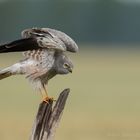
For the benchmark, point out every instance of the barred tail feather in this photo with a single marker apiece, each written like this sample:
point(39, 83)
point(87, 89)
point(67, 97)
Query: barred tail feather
point(5, 73)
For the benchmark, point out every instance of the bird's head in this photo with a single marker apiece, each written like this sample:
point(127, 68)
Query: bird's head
point(63, 64)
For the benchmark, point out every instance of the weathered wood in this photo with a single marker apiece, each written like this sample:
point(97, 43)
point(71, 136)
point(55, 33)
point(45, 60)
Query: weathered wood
point(48, 118)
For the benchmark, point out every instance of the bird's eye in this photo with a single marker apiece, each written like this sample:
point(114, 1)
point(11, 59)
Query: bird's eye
point(66, 65)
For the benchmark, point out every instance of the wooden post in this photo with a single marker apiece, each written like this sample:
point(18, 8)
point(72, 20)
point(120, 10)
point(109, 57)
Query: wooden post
point(48, 118)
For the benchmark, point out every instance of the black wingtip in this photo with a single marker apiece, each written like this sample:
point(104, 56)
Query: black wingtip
point(19, 45)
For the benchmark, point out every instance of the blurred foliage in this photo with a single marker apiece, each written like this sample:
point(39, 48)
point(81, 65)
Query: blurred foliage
point(107, 21)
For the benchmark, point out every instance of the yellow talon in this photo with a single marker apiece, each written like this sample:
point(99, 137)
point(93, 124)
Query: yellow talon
point(48, 99)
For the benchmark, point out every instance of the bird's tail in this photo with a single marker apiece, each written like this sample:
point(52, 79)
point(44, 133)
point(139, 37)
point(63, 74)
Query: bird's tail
point(5, 73)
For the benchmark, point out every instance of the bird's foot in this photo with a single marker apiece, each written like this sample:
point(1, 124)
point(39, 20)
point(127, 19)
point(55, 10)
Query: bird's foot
point(48, 99)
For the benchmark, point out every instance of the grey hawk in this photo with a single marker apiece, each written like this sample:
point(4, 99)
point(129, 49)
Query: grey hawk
point(43, 49)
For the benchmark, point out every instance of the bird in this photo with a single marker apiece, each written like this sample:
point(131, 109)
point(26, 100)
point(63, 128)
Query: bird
point(44, 51)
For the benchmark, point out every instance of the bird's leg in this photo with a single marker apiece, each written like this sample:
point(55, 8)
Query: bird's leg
point(45, 89)
point(47, 98)
point(43, 95)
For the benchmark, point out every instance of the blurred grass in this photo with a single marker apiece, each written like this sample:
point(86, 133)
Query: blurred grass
point(104, 102)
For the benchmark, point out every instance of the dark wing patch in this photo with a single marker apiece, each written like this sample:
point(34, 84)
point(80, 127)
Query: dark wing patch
point(33, 44)
point(20, 45)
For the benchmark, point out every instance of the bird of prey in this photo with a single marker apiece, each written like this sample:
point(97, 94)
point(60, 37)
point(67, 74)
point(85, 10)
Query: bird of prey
point(44, 51)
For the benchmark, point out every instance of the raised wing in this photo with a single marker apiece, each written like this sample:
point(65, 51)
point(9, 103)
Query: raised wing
point(32, 43)
point(44, 38)
point(64, 42)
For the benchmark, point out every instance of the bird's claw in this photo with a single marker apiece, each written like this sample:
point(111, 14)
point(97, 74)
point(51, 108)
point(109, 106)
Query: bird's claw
point(48, 99)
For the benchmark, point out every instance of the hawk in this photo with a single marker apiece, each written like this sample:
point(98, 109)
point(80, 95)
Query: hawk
point(44, 52)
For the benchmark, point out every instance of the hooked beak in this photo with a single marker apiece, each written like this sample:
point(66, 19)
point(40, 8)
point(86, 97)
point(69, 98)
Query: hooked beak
point(70, 70)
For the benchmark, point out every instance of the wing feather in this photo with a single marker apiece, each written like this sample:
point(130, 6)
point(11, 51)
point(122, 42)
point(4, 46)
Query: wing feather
point(19, 45)
point(44, 38)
